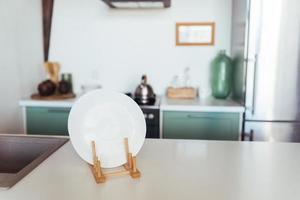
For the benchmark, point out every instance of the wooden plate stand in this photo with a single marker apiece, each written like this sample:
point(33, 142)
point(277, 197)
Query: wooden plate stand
point(130, 167)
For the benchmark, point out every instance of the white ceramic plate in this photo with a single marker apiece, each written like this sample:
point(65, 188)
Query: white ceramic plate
point(107, 118)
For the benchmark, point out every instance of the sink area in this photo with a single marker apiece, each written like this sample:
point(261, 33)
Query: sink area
point(19, 155)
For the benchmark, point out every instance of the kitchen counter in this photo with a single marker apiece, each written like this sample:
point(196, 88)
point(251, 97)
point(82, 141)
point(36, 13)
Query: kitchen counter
point(48, 103)
point(174, 169)
point(46, 113)
point(201, 105)
point(165, 104)
point(65, 103)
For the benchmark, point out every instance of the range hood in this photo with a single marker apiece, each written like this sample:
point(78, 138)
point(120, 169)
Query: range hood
point(138, 3)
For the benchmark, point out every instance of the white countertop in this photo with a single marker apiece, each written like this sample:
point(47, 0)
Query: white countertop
point(201, 105)
point(47, 103)
point(175, 170)
point(206, 105)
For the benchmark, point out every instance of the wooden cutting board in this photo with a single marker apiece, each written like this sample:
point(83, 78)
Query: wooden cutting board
point(53, 97)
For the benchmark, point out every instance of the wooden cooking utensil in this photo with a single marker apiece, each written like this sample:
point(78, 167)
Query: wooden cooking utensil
point(53, 68)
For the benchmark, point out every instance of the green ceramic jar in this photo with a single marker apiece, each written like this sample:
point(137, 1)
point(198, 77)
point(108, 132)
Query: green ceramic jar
point(221, 75)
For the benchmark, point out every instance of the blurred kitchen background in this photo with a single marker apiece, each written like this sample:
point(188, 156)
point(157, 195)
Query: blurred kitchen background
point(113, 48)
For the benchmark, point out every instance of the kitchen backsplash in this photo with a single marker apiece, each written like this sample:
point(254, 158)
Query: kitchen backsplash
point(114, 48)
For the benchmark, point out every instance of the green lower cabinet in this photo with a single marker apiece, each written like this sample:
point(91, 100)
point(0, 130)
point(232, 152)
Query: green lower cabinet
point(199, 125)
point(47, 121)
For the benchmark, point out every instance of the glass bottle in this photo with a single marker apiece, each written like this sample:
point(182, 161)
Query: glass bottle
point(68, 78)
point(221, 75)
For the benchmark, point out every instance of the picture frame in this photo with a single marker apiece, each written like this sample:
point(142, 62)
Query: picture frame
point(195, 34)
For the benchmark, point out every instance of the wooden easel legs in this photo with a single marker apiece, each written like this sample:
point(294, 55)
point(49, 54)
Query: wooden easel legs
point(134, 172)
point(130, 167)
point(96, 168)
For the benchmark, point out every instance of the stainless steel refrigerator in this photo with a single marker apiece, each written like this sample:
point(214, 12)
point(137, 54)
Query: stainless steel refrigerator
point(266, 51)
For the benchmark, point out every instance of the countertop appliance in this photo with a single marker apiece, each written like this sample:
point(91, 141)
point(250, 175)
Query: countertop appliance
point(266, 48)
point(151, 114)
point(144, 94)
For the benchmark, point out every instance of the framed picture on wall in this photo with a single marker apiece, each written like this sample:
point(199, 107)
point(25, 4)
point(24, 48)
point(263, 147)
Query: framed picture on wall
point(195, 34)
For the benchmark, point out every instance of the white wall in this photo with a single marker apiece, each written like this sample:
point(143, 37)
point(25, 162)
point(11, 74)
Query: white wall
point(21, 58)
point(115, 47)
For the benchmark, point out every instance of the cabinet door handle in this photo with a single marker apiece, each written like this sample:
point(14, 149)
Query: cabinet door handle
point(248, 135)
point(57, 111)
point(199, 117)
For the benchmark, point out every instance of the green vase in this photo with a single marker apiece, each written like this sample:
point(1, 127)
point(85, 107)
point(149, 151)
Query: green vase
point(221, 76)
